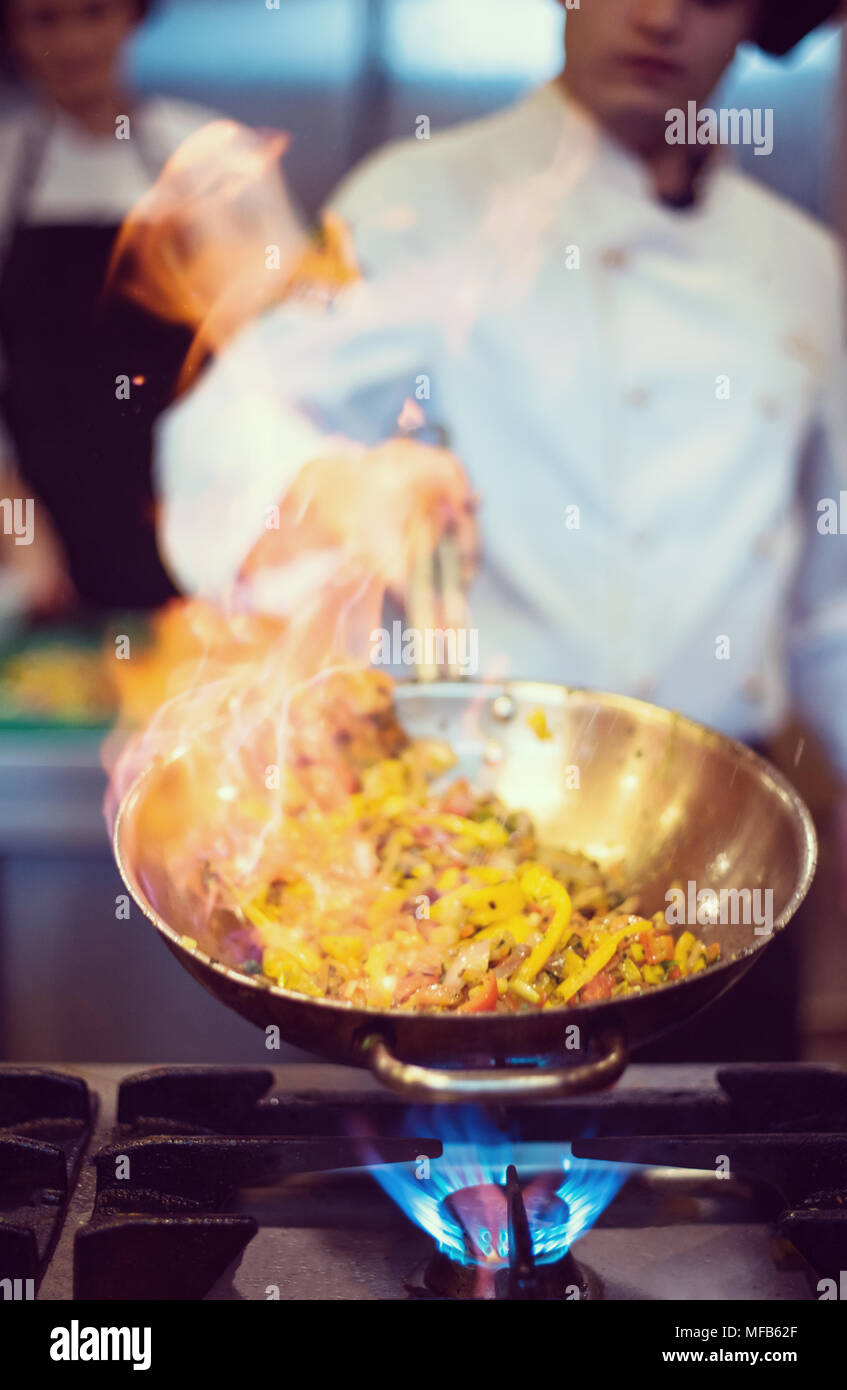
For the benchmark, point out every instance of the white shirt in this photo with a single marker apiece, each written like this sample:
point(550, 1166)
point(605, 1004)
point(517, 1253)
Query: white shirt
point(87, 178)
point(602, 388)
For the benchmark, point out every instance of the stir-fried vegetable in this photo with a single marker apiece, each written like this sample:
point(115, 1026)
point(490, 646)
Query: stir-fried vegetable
point(394, 895)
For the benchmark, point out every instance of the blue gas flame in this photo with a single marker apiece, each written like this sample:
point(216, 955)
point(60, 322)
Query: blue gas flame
point(476, 1153)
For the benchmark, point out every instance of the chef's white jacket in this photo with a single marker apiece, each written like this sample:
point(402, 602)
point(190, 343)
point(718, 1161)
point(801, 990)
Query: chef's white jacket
point(650, 402)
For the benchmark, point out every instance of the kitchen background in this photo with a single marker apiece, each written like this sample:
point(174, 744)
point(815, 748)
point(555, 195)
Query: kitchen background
point(77, 983)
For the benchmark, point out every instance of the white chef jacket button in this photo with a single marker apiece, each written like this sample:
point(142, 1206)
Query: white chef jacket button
point(638, 397)
point(644, 689)
point(753, 689)
point(641, 537)
point(802, 349)
point(769, 406)
point(614, 258)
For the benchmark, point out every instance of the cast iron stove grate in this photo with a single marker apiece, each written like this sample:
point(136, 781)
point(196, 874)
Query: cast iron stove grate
point(187, 1139)
point(796, 1146)
point(187, 1142)
point(45, 1125)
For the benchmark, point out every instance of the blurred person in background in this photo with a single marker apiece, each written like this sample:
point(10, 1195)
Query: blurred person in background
point(670, 389)
point(73, 161)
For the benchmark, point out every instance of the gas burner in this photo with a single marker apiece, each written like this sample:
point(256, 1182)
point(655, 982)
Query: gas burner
point(221, 1183)
point(465, 1200)
point(501, 1226)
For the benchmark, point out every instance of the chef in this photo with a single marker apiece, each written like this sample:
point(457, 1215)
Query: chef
point(637, 353)
point(82, 375)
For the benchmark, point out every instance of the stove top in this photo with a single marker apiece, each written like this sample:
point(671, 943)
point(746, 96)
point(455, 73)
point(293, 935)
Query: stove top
point(245, 1184)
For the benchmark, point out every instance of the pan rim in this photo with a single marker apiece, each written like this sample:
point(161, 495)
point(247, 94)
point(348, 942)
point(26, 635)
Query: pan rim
point(788, 794)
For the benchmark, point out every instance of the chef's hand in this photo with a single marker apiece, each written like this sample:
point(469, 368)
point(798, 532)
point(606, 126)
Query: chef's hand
point(40, 569)
point(379, 506)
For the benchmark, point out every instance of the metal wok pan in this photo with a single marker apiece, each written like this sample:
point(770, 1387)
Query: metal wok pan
point(670, 798)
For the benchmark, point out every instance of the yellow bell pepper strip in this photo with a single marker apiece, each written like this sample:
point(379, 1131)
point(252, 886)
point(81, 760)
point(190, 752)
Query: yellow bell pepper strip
point(526, 992)
point(382, 984)
point(288, 972)
point(492, 904)
point(484, 873)
point(490, 834)
point(573, 961)
point(397, 841)
point(518, 927)
point(597, 961)
point(544, 889)
point(483, 905)
point(487, 834)
point(683, 948)
point(384, 907)
point(695, 955)
point(284, 939)
point(347, 950)
point(632, 975)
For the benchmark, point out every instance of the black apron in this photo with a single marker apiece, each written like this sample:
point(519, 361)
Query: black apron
point(85, 452)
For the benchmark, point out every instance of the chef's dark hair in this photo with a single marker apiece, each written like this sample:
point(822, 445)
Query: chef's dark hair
point(784, 23)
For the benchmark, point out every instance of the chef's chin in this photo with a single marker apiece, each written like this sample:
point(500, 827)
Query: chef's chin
point(630, 97)
point(634, 112)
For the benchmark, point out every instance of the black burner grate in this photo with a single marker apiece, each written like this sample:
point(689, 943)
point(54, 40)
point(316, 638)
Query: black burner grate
point(45, 1125)
point(163, 1224)
point(797, 1147)
point(188, 1140)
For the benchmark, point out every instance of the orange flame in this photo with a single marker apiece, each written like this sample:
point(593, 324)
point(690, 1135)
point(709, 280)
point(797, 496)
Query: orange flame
point(216, 241)
point(351, 530)
point(212, 245)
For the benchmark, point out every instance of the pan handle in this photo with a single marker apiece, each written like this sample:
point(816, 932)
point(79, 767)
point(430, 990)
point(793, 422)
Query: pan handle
point(508, 1083)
